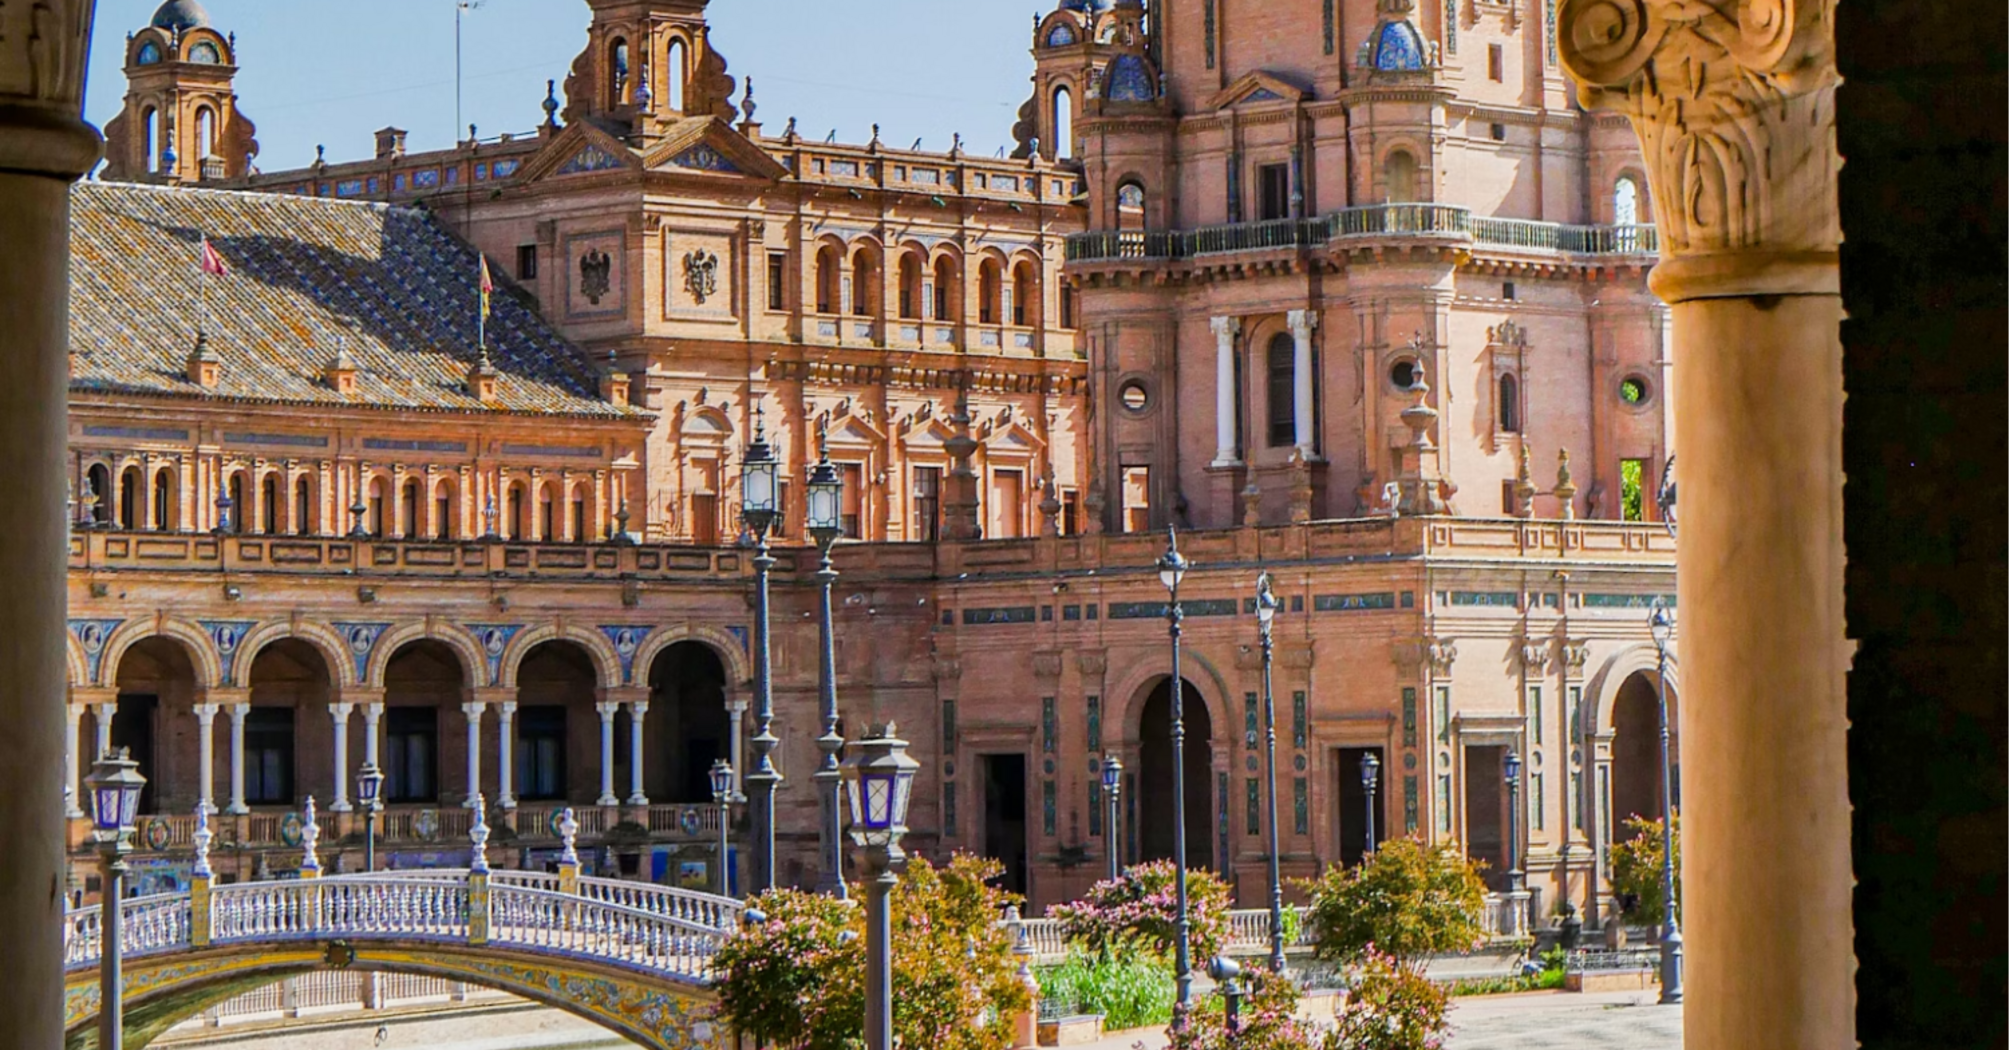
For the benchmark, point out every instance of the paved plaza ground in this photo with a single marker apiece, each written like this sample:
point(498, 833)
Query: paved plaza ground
point(1535, 1021)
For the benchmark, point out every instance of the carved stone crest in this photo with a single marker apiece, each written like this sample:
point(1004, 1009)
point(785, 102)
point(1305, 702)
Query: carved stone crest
point(1535, 655)
point(701, 274)
point(596, 269)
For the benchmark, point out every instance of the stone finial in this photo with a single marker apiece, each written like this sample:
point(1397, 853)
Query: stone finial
point(201, 840)
point(481, 383)
point(551, 105)
point(1252, 505)
point(310, 838)
point(1093, 505)
point(204, 367)
point(1524, 487)
point(1301, 487)
point(568, 837)
point(1419, 481)
point(1566, 489)
point(478, 837)
point(1050, 508)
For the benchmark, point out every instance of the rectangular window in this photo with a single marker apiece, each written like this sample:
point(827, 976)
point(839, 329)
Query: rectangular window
point(1067, 306)
point(1248, 718)
point(1496, 60)
point(1071, 512)
point(540, 752)
point(1574, 805)
point(1444, 803)
point(1280, 370)
point(852, 515)
point(1252, 810)
point(780, 529)
point(1507, 497)
point(1298, 717)
point(927, 526)
point(1535, 790)
point(778, 280)
point(1095, 807)
point(1095, 706)
point(1409, 716)
point(1007, 502)
point(411, 745)
point(1137, 499)
point(1049, 804)
point(1444, 712)
point(1301, 808)
point(1633, 489)
point(949, 809)
point(949, 726)
point(1535, 713)
point(1273, 184)
point(268, 756)
point(526, 262)
point(1050, 729)
point(1576, 701)
point(1410, 804)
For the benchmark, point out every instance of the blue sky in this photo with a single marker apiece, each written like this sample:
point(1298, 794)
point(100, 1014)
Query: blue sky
point(334, 71)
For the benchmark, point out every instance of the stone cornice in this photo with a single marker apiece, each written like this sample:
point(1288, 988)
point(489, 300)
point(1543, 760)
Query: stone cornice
point(44, 48)
point(1735, 108)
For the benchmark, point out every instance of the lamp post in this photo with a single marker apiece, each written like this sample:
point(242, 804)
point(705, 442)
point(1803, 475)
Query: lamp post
point(1113, 784)
point(826, 494)
point(370, 795)
point(1662, 627)
point(1371, 778)
point(1511, 773)
point(881, 779)
point(115, 783)
point(1227, 974)
point(758, 511)
point(1172, 569)
point(722, 793)
point(1266, 611)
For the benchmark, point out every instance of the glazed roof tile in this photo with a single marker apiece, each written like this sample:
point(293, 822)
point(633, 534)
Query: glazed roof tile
point(307, 278)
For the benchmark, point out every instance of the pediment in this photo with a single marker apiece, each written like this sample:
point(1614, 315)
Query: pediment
point(850, 430)
point(1257, 86)
point(710, 146)
point(581, 149)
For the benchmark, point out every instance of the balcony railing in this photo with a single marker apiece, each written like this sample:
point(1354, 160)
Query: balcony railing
point(1377, 220)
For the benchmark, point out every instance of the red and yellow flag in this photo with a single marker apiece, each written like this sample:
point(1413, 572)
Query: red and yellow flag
point(488, 287)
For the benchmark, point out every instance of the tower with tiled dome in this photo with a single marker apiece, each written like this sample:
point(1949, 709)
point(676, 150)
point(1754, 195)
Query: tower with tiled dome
point(180, 122)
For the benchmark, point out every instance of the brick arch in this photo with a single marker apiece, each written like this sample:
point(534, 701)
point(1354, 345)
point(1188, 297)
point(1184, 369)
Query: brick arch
point(202, 653)
point(77, 669)
point(1602, 692)
point(474, 663)
point(334, 651)
point(728, 648)
point(606, 662)
point(1134, 687)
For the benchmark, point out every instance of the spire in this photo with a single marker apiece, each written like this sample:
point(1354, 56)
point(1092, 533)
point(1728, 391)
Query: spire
point(1421, 487)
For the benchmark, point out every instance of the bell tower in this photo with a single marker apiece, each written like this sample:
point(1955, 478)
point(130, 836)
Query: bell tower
point(180, 122)
point(647, 65)
point(1072, 49)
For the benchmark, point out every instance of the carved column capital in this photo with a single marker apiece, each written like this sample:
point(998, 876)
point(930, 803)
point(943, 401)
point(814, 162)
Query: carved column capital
point(43, 50)
point(1225, 329)
point(1733, 101)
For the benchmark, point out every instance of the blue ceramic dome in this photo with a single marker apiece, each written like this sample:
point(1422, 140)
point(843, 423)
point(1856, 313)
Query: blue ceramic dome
point(181, 14)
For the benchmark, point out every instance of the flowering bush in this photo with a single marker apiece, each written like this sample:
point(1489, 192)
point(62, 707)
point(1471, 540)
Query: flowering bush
point(1389, 1007)
point(1268, 1020)
point(1138, 912)
point(1411, 899)
point(797, 979)
point(1636, 870)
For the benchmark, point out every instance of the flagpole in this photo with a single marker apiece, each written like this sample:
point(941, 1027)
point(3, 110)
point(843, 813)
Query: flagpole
point(202, 288)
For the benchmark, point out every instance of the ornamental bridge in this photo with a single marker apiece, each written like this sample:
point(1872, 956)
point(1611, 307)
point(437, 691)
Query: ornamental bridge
point(632, 957)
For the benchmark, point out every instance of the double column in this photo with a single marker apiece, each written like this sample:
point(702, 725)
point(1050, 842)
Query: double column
point(638, 708)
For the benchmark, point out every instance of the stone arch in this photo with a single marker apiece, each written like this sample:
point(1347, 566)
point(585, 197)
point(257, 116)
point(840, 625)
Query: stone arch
point(1602, 691)
point(1135, 685)
point(1403, 173)
point(76, 668)
point(474, 663)
point(730, 650)
point(333, 649)
point(201, 651)
point(606, 662)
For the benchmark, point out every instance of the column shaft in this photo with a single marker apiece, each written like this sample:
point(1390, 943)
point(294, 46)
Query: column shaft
point(101, 715)
point(636, 795)
point(72, 787)
point(607, 796)
point(373, 717)
point(506, 756)
point(474, 713)
point(340, 712)
point(205, 757)
point(1302, 323)
point(238, 712)
point(1225, 329)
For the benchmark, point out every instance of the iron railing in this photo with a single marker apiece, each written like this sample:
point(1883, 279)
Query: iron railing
point(1371, 221)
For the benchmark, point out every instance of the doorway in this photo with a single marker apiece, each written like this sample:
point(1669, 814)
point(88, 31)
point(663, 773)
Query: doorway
point(133, 729)
point(1005, 817)
point(1352, 812)
point(1486, 812)
point(1155, 777)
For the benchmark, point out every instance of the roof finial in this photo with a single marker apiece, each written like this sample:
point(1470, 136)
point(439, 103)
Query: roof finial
point(551, 103)
point(747, 103)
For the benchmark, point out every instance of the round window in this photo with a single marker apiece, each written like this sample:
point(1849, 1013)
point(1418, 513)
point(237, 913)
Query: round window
point(1133, 396)
point(1405, 374)
point(1634, 390)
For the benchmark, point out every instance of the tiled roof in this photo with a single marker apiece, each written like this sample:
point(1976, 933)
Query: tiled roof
point(304, 273)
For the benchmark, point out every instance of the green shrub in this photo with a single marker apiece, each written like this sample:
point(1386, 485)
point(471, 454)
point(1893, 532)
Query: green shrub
point(1128, 992)
point(1136, 914)
point(1636, 869)
point(1389, 1007)
point(1407, 900)
point(1267, 1019)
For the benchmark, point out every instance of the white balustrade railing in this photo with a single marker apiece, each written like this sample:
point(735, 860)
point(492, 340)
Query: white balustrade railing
point(349, 905)
point(704, 909)
point(570, 925)
point(1248, 933)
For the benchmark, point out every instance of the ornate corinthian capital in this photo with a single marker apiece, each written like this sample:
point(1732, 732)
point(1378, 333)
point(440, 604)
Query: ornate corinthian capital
point(44, 46)
point(1733, 101)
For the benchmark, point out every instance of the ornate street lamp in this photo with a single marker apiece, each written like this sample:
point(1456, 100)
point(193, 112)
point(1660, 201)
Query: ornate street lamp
point(1172, 569)
point(1371, 777)
point(223, 505)
point(115, 784)
point(1662, 627)
point(722, 793)
point(370, 795)
point(1511, 773)
point(1113, 785)
point(826, 496)
point(760, 507)
point(881, 778)
point(1266, 611)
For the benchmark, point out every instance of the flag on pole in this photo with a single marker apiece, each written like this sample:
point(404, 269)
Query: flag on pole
point(212, 263)
point(488, 287)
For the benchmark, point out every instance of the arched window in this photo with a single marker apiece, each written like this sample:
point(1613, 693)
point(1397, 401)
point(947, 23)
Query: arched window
point(99, 478)
point(677, 72)
point(1064, 123)
point(444, 524)
point(376, 508)
point(239, 509)
point(1510, 405)
point(990, 281)
point(303, 507)
point(205, 132)
point(1625, 201)
point(579, 515)
point(827, 280)
point(1025, 295)
point(1281, 390)
point(1130, 206)
point(408, 511)
point(164, 501)
point(864, 284)
point(150, 148)
point(1399, 177)
point(516, 512)
point(269, 505)
point(618, 60)
point(948, 299)
point(130, 495)
point(547, 515)
point(910, 285)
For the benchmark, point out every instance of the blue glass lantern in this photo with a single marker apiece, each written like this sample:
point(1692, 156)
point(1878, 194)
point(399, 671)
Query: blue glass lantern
point(881, 782)
point(115, 783)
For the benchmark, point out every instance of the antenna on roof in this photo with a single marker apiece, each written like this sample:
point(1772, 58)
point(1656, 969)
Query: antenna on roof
point(832, 137)
point(1001, 153)
point(916, 146)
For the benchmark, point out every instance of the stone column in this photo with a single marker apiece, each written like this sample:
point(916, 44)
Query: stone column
point(736, 717)
point(1225, 330)
point(101, 721)
point(1736, 120)
point(636, 709)
point(238, 712)
point(473, 709)
point(72, 740)
point(607, 796)
point(205, 757)
point(373, 717)
point(339, 712)
point(1302, 323)
point(506, 756)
